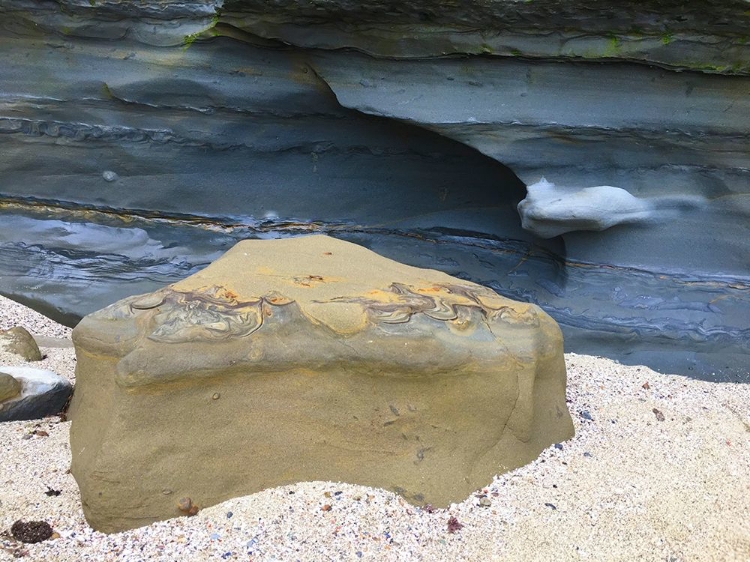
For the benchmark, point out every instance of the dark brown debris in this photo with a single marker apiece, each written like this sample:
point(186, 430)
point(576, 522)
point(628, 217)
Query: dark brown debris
point(454, 525)
point(31, 531)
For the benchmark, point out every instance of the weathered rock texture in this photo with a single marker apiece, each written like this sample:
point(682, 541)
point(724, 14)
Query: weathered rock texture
point(39, 393)
point(308, 359)
point(140, 139)
point(9, 387)
point(18, 340)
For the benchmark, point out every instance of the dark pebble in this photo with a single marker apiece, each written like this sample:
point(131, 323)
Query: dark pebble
point(31, 531)
point(585, 415)
point(586, 454)
point(558, 446)
point(229, 514)
point(550, 505)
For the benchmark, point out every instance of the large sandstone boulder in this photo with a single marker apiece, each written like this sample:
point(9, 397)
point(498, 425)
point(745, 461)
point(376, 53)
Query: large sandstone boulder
point(308, 359)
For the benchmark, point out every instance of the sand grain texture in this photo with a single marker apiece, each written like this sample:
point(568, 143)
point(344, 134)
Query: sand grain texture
point(628, 486)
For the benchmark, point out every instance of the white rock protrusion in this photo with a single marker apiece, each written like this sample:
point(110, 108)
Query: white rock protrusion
point(549, 210)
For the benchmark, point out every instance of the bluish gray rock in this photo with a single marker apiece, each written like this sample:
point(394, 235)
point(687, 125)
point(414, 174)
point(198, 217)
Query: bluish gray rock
point(141, 139)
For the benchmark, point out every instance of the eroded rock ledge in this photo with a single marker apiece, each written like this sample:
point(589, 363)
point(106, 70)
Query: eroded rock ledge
point(681, 35)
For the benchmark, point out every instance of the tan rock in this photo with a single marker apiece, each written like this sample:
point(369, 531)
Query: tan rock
point(19, 341)
point(308, 359)
point(9, 387)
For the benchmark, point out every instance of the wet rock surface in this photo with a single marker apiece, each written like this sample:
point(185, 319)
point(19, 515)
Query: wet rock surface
point(155, 135)
point(308, 359)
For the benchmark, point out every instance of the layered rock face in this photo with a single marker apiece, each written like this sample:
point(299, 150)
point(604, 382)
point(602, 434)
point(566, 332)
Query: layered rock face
point(308, 359)
point(142, 139)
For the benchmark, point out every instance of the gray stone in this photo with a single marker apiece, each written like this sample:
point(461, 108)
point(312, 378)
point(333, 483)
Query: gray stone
point(19, 341)
point(110, 176)
point(43, 393)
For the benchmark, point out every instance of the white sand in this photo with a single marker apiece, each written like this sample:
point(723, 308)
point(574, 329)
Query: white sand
point(627, 487)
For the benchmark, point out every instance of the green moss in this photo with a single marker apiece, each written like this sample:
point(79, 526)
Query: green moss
point(207, 32)
point(722, 69)
point(667, 38)
point(515, 52)
point(613, 46)
point(190, 39)
point(486, 49)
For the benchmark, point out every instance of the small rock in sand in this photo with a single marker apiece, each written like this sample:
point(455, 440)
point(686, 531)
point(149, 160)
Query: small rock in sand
point(19, 341)
point(31, 531)
point(9, 387)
